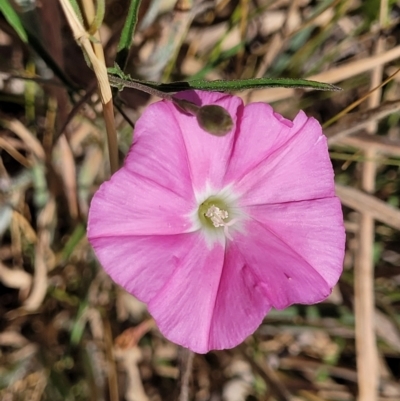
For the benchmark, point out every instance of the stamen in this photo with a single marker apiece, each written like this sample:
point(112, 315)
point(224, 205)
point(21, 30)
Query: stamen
point(215, 213)
point(217, 216)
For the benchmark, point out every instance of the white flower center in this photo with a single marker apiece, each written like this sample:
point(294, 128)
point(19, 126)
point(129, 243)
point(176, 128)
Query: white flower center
point(217, 215)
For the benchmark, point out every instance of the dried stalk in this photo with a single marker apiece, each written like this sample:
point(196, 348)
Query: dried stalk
point(99, 68)
point(364, 296)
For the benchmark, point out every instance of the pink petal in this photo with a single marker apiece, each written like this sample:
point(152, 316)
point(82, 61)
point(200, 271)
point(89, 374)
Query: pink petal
point(184, 307)
point(208, 154)
point(143, 265)
point(313, 229)
point(212, 301)
point(158, 152)
point(282, 271)
point(191, 291)
point(197, 295)
point(130, 204)
point(152, 193)
point(274, 163)
point(240, 305)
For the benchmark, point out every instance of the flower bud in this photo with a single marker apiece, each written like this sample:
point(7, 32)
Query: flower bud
point(214, 119)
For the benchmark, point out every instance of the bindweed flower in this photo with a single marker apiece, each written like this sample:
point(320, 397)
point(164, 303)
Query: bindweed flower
point(212, 232)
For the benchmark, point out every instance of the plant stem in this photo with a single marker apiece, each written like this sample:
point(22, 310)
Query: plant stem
point(108, 113)
point(115, 81)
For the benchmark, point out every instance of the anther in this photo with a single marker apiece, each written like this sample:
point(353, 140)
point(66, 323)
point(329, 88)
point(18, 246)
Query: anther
point(217, 216)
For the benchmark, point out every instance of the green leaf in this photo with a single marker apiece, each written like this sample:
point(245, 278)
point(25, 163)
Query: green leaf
point(127, 33)
point(13, 19)
point(242, 84)
point(116, 70)
point(218, 85)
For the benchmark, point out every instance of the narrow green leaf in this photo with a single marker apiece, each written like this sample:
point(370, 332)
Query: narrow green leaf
point(219, 85)
point(13, 19)
point(73, 241)
point(127, 33)
point(242, 84)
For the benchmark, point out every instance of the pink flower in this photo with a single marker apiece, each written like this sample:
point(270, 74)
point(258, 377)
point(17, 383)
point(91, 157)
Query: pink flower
point(212, 232)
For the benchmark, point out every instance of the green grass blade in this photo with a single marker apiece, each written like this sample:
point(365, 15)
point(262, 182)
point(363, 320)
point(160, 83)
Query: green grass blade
point(127, 33)
point(13, 19)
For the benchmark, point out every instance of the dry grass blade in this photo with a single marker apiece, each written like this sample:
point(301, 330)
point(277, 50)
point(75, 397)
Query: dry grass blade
point(15, 278)
point(112, 376)
point(65, 164)
point(13, 152)
point(387, 330)
point(161, 60)
point(26, 136)
point(82, 37)
point(40, 282)
point(270, 377)
point(364, 295)
point(363, 202)
point(90, 13)
point(87, 174)
point(332, 76)
point(129, 354)
point(13, 338)
point(187, 357)
point(381, 144)
point(40, 279)
point(130, 359)
point(100, 70)
point(355, 122)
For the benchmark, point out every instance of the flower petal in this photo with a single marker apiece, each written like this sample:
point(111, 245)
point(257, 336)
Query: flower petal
point(279, 163)
point(240, 305)
point(261, 132)
point(208, 155)
point(212, 301)
point(184, 307)
point(144, 264)
point(284, 275)
point(314, 229)
point(130, 204)
point(158, 152)
point(152, 193)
